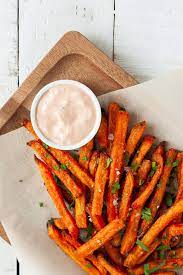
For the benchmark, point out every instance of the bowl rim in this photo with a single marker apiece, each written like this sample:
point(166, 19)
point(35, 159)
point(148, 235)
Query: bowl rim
point(91, 134)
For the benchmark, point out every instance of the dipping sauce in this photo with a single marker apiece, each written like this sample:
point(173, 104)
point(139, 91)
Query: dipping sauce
point(65, 114)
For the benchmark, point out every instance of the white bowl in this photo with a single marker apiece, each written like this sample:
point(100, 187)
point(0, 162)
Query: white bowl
point(70, 146)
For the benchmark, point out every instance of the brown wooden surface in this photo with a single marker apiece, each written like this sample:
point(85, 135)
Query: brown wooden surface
point(73, 57)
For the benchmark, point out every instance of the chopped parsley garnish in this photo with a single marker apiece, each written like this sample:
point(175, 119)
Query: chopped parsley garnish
point(41, 204)
point(45, 145)
point(63, 166)
point(71, 205)
point(176, 266)
point(154, 166)
point(163, 247)
point(115, 187)
point(47, 155)
point(108, 162)
point(55, 167)
point(89, 265)
point(159, 184)
point(135, 166)
point(168, 161)
point(168, 199)
point(51, 221)
point(175, 163)
point(127, 157)
point(85, 158)
point(148, 271)
point(146, 214)
point(143, 246)
point(151, 174)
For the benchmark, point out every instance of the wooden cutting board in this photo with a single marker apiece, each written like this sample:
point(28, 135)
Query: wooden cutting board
point(73, 57)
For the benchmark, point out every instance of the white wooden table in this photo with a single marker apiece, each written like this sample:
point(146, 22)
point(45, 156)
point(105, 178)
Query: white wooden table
point(145, 37)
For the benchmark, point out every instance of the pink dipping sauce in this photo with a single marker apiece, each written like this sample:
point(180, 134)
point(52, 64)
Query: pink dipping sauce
point(65, 114)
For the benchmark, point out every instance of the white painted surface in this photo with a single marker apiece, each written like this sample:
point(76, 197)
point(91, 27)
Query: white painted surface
point(7, 259)
point(147, 41)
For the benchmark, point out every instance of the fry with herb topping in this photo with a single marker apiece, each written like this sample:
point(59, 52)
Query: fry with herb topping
point(94, 163)
point(117, 164)
point(54, 166)
point(133, 139)
point(56, 195)
point(98, 240)
point(130, 235)
point(143, 172)
point(101, 179)
point(142, 151)
point(158, 195)
point(110, 268)
point(152, 267)
point(112, 115)
point(59, 239)
point(102, 134)
point(85, 154)
point(153, 232)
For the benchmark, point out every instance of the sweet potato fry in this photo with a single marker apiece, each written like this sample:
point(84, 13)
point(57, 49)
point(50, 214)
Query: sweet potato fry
point(98, 222)
point(59, 223)
point(102, 135)
point(172, 231)
point(112, 115)
point(179, 160)
point(76, 169)
point(165, 273)
point(110, 268)
point(100, 238)
point(80, 210)
point(101, 179)
point(179, 194)
point(85, 154)
point(56, 195)
point(28, 125)
point(143, 149)
point(152, 248)
point(170, 264)
point(143, 172)
point(159, 225)
point(114, 254)
point(130, 235)
point(160, 149)
point(133, 139)
point(158, 195)
point(117, 164)
point(54, 166)
point(126, 196)
point(58, 238)
point(94, 163)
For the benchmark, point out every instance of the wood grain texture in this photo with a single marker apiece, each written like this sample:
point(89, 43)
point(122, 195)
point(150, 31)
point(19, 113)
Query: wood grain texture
point(148, 37)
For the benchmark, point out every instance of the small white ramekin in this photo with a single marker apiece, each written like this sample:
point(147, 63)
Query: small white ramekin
point(88, 137)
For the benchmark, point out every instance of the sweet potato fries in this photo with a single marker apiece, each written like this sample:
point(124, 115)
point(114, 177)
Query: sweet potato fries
point(119, 201)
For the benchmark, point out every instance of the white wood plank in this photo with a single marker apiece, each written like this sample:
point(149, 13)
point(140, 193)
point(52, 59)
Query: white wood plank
point(43, 22)
point(8, 82)
point(148, 36)
point(8, 46)
point(7, 259)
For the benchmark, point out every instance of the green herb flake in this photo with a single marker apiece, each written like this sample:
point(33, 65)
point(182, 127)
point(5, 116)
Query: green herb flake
point(156, 268)
point(163, 247)
point(89, 265)
point(71, 205)
point(45, 145)
point(89, 230)
point(159, 184)
point(108, 162)
point(151, 174)
point(135, 166)
point(146, 214)
point(168, 161)
point(146, 269)
point(127, 157)
point(55, 167)
point(63, 166)
point(143, 246)
point(47, 155)
point(175, 163)
point(154, 166)
point(162, 255)
point(41, 204)
point(168, 199)
point(115, 187)
point(85, 158)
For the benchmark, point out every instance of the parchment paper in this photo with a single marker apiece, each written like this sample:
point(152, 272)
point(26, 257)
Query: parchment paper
point(159, 102)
